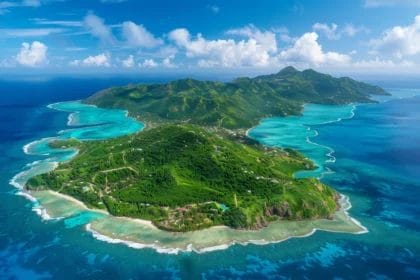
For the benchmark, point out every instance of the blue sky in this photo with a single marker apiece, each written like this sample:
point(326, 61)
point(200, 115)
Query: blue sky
point(59, 36)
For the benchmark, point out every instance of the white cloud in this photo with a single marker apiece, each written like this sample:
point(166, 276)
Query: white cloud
point(390, 3)
point(167, 62)
point(29, 32)
point(254, 51)
point(128, 62)
point(259, 49)
point(134, 35)
point(378, 63)
point(283, 34)
point(139, 36)
point(215, 9)
point(329, 31)
point(8, 63)
point(75, 62)
point(74, 49)
point(31, 3)
point(308, 52)
point(399, 41)
point(6, 5)
point(167, 51)
point(65, 23)
point(24, 3)
point(149, 63)
point(34, 54)
point(351, 30)
point(181, 36)
point(333, 32)
point(100, 60)
point(265, 38)
point(97, 28)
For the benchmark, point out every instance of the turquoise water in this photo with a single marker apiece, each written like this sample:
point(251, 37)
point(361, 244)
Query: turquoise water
point(92, 123)
point(86, 122)
point(376, 164)
point(296, 132)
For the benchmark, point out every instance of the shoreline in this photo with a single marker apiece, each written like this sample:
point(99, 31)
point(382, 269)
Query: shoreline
point(275, 232)
point(329, 154)
point(82, 205)
point(188, 245)
point(344, 203)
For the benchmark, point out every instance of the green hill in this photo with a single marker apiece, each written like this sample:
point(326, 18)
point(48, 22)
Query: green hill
point(183, 177)
point(237, 104)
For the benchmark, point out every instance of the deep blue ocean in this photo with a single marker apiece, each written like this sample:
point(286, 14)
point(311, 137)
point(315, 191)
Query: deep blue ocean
point(376, 163)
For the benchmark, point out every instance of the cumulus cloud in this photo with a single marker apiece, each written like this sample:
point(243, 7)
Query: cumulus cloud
point(96, 26)
point(255, 50)
point(34, 54)
point(258, 49)
point(351, 30)
point(333, 32)
point(167, 62)
point(139, 36)
point(167, 51)
point(149, 63)
point(329, 31)
point(100, 60)
point(128, 62)
point(400, 40)
point(307, 51)
point(282, 33)
point(265, 38)
point(180, 36)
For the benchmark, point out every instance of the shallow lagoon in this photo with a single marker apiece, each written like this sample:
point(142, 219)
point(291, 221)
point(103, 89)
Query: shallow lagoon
point(141, 234)
point(86, 122)
point(295, 132)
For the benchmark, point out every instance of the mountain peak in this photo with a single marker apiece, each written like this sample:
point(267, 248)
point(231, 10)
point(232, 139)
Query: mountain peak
point(288, 70)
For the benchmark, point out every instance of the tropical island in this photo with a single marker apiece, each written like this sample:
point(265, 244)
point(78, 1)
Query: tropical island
point(241, 103)
point(194, 167)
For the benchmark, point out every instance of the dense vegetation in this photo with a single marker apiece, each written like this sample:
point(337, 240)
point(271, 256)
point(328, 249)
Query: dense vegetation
point(64, 143)
point(237, 104)
point(183, 177)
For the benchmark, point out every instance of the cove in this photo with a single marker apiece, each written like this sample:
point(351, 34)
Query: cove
point(298, 132)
